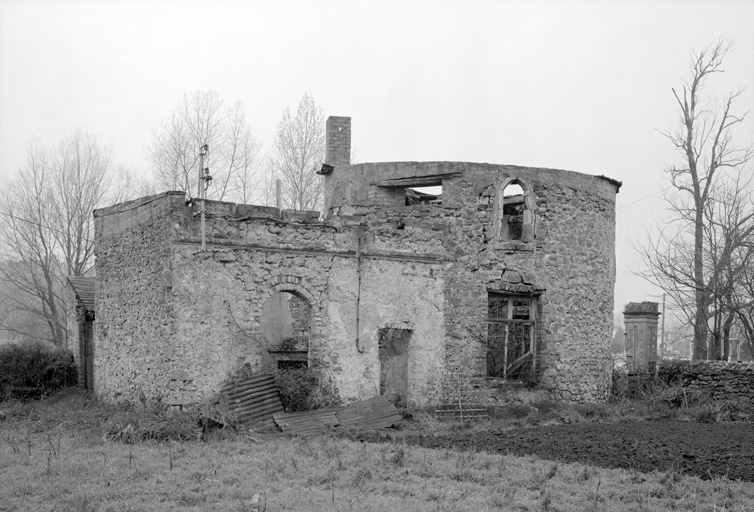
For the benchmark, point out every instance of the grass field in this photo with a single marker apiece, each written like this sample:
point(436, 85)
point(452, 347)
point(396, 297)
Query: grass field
point(54, 456)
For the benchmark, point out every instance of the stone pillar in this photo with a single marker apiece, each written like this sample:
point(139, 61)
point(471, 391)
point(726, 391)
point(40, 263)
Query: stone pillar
point(338, 144)
point(640, 325)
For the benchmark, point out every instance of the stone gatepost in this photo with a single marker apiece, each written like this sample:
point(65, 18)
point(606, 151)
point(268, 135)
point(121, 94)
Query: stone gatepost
point(640, 324)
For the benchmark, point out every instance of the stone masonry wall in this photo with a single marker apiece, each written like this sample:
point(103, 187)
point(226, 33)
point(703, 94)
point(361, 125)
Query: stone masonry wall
point(206, 323)
point(569, 262)
point(135, 321)
point(723, 380)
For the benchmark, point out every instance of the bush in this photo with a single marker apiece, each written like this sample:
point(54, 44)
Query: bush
point(36, 368)
point(672, 372)
point(302, 389)
point(635, 385)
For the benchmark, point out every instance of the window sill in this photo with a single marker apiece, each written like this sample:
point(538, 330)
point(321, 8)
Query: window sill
point(509, 384)
point(514, 246)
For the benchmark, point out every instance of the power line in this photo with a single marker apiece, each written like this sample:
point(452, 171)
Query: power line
point(645, 197)
point(34, 223)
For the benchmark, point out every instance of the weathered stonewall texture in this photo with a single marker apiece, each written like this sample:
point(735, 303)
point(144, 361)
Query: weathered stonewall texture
point(175, 322)
point(723, 380)
point(640, 319)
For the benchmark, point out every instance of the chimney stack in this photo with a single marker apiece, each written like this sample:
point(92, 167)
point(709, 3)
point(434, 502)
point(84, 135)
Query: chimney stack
point(338, 135)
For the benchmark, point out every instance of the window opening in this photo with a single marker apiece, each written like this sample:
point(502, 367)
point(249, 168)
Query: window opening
point(286, 325)
point(513, 211)
point(424, 195)
point(291, 365)
point(511, 336)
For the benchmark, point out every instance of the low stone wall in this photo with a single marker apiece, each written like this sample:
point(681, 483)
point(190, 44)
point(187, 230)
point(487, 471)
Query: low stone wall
point(723, 380)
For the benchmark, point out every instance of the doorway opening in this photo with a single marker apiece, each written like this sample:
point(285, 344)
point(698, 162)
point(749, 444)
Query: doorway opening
point(393, 354)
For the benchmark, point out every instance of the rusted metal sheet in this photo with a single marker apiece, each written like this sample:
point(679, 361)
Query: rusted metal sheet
point(307, 422)
point(253, 401)
point(377, 412)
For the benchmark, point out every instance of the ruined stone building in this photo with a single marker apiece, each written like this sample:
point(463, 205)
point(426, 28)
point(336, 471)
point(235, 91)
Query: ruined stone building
point(501, 284)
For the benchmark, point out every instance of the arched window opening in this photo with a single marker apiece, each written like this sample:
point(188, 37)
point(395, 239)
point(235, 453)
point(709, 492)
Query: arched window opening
point(286, 326)
point(514, 212)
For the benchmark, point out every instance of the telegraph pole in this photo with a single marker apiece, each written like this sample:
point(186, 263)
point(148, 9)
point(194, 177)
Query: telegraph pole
point(662, 329)
point(203, 182)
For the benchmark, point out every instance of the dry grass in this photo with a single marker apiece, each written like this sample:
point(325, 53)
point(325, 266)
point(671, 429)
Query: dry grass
point(53, 456)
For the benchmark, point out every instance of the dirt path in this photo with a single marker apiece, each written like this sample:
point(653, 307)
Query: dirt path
point(704, 450)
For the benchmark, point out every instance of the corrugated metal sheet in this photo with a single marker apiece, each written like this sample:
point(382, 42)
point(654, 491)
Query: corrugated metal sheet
point(307, 422)
point(84, 289)
point(253, 401)
point(377, 412)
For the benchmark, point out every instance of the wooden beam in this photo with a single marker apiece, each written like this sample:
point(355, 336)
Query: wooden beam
point(418, 181)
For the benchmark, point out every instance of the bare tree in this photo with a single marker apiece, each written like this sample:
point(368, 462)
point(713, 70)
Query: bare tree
point(729, 232)
point(744, 306)
point(32, 265)
point(242, 156)
point(81, 180)
point(48, 230)
point(685, 259)
point(298, 152)
point(198, 119)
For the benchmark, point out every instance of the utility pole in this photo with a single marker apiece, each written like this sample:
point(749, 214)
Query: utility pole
point(279, 198)
point(204, 179)
point(662, 329)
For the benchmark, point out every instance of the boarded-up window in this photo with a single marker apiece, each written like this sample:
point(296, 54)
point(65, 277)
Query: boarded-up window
point(511, 336)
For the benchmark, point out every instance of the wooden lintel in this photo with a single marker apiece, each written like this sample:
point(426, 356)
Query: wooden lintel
point(418, 181)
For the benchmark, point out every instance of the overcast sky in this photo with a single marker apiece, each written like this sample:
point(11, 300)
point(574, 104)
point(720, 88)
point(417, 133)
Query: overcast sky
point(578, 85)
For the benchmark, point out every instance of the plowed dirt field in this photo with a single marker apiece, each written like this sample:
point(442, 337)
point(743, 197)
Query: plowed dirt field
point(705, 450)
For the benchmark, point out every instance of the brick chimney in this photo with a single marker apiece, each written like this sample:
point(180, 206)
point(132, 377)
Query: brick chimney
point(338, 135)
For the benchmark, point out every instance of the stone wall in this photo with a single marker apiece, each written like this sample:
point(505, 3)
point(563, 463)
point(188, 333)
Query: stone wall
point(569, 260)
point(723, 380)
point(134, 344)
point(179, 337)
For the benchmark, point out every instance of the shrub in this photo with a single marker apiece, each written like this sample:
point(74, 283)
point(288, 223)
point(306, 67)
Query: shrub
point(36, 367)
point(635, 385)
point(302, 389)
point(672, 372)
